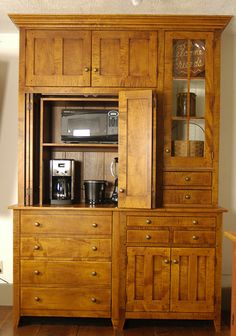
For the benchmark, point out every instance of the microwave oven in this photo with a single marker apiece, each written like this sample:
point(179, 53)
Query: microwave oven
point(89, 126)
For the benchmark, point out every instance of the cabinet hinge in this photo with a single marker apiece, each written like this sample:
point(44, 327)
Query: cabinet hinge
point(232, 319)
point(212, 155)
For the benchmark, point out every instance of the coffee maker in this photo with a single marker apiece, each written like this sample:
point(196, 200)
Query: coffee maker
point(62, 181)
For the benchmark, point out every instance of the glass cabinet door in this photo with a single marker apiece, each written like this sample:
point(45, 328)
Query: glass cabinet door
point(187, 113)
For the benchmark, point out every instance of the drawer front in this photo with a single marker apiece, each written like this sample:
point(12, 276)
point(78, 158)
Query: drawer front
point(65, 298)
point(66, 224)
point(197, 221)
point(71, 273)
point(187, 178)
point(148, 236)
point(196, 197)
point(194, 237)
point(65, 248)
point(151, 220)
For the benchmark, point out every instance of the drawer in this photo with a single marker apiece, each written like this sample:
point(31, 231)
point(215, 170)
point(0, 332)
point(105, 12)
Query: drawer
point(66, 298)
point(196, 197)
point(66, 224)
point(148, 236)
point(151, 220)
point(71, 273)
point(65, 248)
point(197, 221)
point(194, 237)
point(187, 178)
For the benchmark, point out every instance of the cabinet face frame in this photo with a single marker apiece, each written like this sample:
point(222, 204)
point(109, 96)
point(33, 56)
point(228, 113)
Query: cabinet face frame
point(189, 161)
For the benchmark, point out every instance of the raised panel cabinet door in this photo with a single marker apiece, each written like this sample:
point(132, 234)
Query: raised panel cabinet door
point(192, 280)
point(58, 58)
point(124, 59)
point(148, 275)
point(135, 149)
point(189, 99)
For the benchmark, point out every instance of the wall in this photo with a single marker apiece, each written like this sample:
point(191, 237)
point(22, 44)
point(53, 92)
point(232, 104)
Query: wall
point(8, 149)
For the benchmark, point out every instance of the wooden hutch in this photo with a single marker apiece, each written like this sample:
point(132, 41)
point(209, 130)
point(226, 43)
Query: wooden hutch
point(157, 255)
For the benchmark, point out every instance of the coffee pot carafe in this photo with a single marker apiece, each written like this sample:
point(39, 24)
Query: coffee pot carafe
point(114, 173)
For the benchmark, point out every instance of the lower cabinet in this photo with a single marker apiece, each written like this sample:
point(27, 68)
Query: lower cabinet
point(176, 279)
point(117, 264)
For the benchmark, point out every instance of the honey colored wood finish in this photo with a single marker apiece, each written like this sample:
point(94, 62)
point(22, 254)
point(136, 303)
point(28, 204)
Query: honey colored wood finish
point(157, 254)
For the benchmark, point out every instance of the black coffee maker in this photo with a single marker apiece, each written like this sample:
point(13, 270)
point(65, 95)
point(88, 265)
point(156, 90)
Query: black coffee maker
point(62, 181)
point(114, 173)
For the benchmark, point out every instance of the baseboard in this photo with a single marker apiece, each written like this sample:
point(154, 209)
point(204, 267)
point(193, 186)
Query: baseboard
point(6, 294)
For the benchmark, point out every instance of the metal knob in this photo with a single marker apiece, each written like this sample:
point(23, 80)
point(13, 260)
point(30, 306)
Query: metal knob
point(122, 190)
point(93, 299)
point(167, 150)
point(195, 237)
point(86, 69)
point(175, 261)
point(148, 236)
point(36, 272)
point(36, 298)
point(94, 273)
point(94, 248)
point(148, 221)
point(166, 261)
point(95, 69)
point(37, 224)
point(187, 196)
point(187, 178)
point(36, 247)
point(94, 225)
point(195, 222)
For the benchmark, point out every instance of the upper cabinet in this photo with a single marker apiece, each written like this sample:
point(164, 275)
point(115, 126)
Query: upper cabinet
point(84, 58)
point(188, 99)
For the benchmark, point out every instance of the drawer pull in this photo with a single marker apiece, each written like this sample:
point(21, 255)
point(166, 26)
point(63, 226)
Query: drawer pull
point(187, 178)
point(175, 261)
point(195, 237)
point(166, 261)
point(94, 248)
point(94, 225)
point(195, 222)
point(148, 237)
point(187, 196)
point(37, 224)
point(36, 298)
point(93, 299)
point(148, 221)
point(122, 190)
point(167, 150)
point(36, 247)
point(94, 273)
point(95, 69)
point(36, 272)
point(86, 69)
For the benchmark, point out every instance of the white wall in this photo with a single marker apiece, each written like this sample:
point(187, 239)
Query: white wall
point(8, 146)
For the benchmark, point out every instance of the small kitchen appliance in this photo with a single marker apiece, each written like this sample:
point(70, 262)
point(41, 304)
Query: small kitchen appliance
point(114, 173)
point(95, 191)
point(62, 181)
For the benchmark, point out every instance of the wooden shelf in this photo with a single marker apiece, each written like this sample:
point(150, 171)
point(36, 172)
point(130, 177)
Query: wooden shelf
point(80, 145)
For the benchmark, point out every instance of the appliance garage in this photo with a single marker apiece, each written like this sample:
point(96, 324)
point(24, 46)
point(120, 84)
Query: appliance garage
point(118, 158)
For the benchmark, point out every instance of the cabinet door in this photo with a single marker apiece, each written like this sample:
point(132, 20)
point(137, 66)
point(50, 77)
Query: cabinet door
point(135, 149)
point(188, 99)
point(148, 275)
point(125, 59)
point(58, 58)
point(192, 280)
